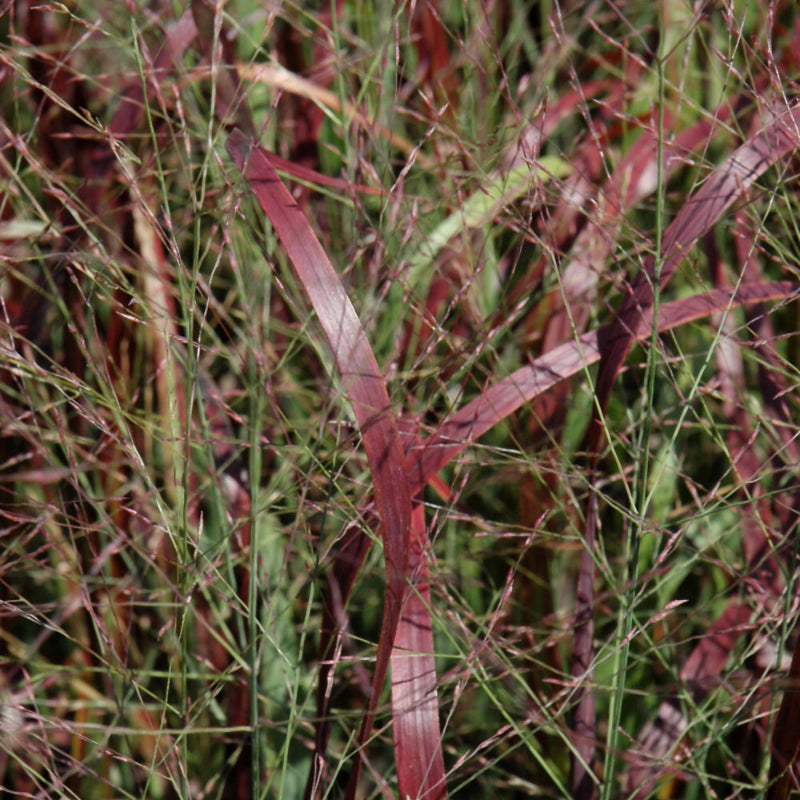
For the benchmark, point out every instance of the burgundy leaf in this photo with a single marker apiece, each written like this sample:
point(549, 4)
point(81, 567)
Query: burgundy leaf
point(362, 384)
point(726, 184)
point(569, 359)
point(417, 737)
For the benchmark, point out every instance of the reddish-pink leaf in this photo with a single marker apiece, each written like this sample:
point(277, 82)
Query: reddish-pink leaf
point(417, 738)
point(707, 660)
point(569, 359)
point(725, 185)
point(362, 383)
point(302, 173)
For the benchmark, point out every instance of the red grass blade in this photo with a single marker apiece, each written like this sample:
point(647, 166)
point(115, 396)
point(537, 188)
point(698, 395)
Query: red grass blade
point(726, 184)
point(420, 764)
point(301, 173)
point(566, 361)
point(365, 389)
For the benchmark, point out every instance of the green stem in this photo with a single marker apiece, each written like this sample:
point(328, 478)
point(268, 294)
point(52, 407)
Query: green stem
point(641, 495)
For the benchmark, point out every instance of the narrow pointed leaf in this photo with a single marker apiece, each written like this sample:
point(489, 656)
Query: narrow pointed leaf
point(729, 181)
point(565, 361)
point(415, 710)
point(362, 383)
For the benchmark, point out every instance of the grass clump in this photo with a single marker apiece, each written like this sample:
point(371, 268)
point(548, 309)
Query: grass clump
point(465, 464)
